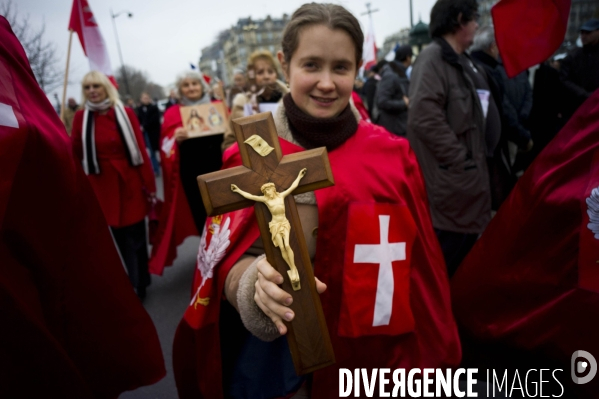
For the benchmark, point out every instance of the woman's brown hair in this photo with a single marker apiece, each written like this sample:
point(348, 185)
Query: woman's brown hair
point(262, 55)
point(331, 15)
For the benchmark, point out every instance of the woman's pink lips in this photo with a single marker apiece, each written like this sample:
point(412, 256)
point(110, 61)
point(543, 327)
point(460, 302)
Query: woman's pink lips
point(327, 103)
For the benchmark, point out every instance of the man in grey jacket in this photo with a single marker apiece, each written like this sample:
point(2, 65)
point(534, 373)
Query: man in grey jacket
point(392, 91)
point(450, 106)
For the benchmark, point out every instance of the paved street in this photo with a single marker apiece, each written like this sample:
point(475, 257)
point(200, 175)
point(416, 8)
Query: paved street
point(166, 301)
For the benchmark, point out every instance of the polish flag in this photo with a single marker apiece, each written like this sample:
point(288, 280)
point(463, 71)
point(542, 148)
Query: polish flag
point(369, 51)
point(84, 23)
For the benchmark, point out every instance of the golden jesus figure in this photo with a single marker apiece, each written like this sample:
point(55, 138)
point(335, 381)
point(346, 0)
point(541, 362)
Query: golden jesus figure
point(279, 225)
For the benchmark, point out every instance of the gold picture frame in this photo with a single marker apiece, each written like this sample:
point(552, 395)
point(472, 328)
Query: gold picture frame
point(205, 120)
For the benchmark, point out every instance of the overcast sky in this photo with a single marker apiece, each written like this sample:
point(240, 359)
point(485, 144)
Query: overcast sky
point(163, 37)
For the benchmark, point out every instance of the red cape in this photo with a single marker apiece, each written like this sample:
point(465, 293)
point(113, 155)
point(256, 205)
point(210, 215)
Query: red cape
point(176, 222)
point(532, 280)
point(389, 177)
point(72, 326)
point(360, 106)
point(123, 203)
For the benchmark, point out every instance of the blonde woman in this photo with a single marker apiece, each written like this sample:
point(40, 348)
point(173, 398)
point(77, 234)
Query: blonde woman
point(265, 67)
point(107, 139)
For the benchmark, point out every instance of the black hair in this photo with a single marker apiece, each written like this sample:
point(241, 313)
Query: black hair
point(445, 16)
point(403, 52)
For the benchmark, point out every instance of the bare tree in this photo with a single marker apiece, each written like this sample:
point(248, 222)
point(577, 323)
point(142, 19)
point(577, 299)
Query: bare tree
point(42, 54)
point(138, 83)
point(155, 91)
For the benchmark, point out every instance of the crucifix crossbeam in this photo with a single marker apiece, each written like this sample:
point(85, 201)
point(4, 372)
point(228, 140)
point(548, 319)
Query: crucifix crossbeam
point(263, 162)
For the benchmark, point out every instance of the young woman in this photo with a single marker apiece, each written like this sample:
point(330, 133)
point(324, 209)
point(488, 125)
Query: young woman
point(264, 66)
point(391, 310)
point(182, 160)
point(107, 139)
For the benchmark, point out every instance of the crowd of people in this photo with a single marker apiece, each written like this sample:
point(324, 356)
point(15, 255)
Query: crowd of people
point(424, 152)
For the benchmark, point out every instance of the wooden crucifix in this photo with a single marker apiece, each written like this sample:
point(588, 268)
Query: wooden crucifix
point(264, 163)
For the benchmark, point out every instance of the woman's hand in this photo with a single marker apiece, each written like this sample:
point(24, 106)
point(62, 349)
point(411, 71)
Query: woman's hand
point(272, 299)
point(181, 134)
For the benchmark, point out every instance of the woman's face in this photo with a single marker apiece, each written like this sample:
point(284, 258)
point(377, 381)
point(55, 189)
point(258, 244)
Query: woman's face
point(265, 72)
point(94, 92)
point(239, 80)
point(191, 89)
point(321, 71)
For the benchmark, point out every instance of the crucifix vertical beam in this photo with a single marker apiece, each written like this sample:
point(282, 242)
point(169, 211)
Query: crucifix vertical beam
point(263, 162)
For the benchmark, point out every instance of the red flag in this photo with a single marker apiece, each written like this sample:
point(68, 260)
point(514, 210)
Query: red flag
point(84, 23)
point(72, 327)
point(532, 280)
point(529, 31)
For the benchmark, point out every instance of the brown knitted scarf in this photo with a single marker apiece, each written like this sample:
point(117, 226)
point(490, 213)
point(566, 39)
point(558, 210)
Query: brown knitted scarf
point(313, 132)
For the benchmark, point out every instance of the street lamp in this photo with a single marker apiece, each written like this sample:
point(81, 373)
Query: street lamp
point(116, 35)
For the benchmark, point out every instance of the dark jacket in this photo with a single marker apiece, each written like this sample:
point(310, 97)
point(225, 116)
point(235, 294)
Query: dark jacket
point(369, 91)
point(546, 116)
point(501, 176)
point(514, 99)
point(149, 119)
point(446, 129)
point(579, 73)
point(393, 110)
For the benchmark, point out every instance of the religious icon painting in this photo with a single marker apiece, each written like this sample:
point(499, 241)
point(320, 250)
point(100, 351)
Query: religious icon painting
point(376, 271)
point(204, 120)
point(215, 119)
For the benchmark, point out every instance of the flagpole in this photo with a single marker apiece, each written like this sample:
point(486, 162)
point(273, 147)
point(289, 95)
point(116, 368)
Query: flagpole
point(118, 45)
point(66, 77)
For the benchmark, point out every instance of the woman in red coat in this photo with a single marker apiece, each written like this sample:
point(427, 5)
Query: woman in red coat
point(182, 160)
point(107, 139)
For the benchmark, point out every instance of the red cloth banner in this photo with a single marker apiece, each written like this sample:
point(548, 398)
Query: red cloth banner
point(84, 23)
point(529, 31)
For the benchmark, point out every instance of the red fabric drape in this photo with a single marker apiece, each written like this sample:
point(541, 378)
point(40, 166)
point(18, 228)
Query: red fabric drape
point(72, 326)
point(529, 31)
point(531, 282)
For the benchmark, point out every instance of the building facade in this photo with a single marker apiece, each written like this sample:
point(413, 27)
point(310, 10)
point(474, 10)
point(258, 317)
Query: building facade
point(212, 61)
point(580, 12)
point(484, 9)
point(402, 37)
point(233, 47)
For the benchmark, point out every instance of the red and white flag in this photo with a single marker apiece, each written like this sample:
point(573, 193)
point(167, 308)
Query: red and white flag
point(369, 51)
point(84, 23)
